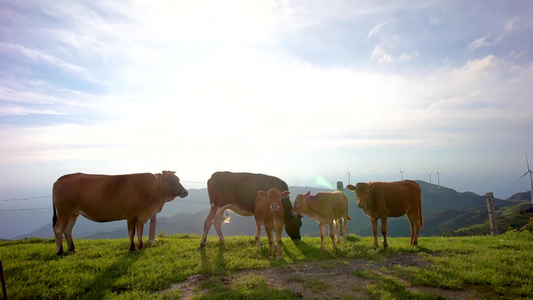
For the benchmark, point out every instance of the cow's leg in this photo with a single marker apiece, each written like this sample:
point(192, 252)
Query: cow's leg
point(207, 225)
point(337, 229)
point(68, 233)
point(415, 227)
point(217, 223)
point(384, 232)
point(258, 233)
point(59, 229)
point(279, 232)
point(268, 229)
point(332, 234)
point(416, 232)
point(412, 225)
point(131, 233)
point(375, 231)
point(140, 228)
point(345, 228)
point(322, 234)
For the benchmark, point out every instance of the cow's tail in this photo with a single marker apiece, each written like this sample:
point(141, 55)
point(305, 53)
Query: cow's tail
point(421, 217)
point(345, 198)
point(54, 218)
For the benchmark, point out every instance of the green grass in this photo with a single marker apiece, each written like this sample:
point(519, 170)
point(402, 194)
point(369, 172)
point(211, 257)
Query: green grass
point(248, 287)
point(500, 266)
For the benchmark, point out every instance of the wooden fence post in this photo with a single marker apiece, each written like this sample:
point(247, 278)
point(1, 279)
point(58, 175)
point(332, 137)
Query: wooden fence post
point(492, 218)
point(3, 279)
point(151, 235)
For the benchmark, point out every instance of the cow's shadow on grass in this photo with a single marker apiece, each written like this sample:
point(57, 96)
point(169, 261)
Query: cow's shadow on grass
point(217, 265)
point(305, 249)
point(106, 280)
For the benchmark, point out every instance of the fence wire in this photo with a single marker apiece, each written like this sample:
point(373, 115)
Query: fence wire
point(191, 201)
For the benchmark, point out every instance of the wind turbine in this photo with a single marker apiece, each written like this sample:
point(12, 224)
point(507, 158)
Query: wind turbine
point(429, 174)
point(348, 174)
point(438, 176)
point(401, 173)
point(530, 178)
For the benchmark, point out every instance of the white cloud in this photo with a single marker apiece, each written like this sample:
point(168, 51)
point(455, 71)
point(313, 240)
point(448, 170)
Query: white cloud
point(434, 21)
point(405, 57)
point(10, 110)
point(456, 101)
point(481, 42)
point(484, 42)
point(381, 55)
point(376, 29)
point(42, 57)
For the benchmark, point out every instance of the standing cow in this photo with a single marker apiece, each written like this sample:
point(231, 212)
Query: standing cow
point(380, 200)
point(327, 208)
point(237, 192)
point(103, 198)
point(269, 212)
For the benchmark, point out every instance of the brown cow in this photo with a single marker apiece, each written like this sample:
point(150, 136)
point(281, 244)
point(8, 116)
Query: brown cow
point(380, 200)
point(103, 198)
point(269, 212)
point(327, 208)
point(238, 192)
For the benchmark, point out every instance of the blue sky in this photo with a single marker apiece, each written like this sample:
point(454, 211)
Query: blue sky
point(298, 89)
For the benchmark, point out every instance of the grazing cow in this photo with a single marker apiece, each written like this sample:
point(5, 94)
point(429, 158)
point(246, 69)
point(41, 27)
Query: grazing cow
point(102, 198)
point(380, 200)
point(238, 192)
point(327, 208)
point(269, 212)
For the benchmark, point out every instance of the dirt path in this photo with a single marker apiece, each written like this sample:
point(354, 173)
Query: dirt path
point(331, 279)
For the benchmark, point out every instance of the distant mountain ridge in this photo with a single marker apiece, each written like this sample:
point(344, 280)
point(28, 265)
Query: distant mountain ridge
point(444, 211)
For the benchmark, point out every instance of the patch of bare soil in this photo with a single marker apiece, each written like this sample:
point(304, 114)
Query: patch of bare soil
point(330, 279)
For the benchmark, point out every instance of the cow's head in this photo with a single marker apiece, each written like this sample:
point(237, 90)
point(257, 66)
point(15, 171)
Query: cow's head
point(300, 204)
point(362, 191)
point(170, 184)
point(292, 223)
point(273, 196)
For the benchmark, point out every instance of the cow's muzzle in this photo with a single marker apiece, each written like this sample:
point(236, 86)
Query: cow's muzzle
point(274, 207)
point(184, 194)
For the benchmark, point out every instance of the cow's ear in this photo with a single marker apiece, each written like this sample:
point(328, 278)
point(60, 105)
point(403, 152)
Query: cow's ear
point(350, 187)
point(285, 194)
point(308, 194)
point(261, 193)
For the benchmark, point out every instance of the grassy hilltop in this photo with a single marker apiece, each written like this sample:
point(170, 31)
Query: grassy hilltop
point(174, 267)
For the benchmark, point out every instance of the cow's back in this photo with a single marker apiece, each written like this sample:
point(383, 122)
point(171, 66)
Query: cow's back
point(103, 198)
point(336, 201)
point(240, 188)
point(401, 196)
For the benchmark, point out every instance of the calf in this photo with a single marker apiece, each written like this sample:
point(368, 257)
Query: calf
point(326, 208)
point(269, 212)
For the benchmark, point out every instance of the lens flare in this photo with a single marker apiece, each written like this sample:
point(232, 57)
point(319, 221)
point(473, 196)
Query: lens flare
point(320, 181)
